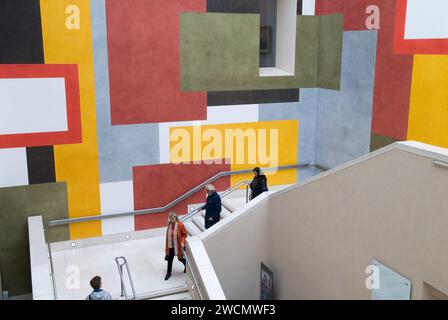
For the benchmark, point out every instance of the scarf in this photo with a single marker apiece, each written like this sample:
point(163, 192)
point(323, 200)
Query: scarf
point(170, 240)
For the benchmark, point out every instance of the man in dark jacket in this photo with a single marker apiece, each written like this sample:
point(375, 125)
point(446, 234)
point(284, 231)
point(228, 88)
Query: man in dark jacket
point(212, 207)
point(259, 184)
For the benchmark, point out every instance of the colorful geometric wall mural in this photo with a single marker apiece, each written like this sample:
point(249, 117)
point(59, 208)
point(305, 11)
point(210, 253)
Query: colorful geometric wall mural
point(93, 93)
point(393, 72)
point(120, 147)
point(75, 164)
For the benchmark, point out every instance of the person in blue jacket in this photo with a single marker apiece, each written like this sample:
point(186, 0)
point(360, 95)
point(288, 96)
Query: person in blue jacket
point(98, 293)
point(212, 207)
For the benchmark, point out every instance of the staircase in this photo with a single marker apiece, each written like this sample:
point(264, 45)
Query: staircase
point(196, 225)
point(180, 293)
point(194, 220)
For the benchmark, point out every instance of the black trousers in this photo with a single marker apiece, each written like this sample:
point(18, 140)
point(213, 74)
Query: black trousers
point(170, 261)
point(209, 224)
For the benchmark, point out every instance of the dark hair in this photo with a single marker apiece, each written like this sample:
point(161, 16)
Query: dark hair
point(96, 282)
point(260, 174)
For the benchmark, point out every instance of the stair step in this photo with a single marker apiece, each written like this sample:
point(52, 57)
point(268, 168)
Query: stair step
point(179, 296)
point(161, 294)
point(228, 206)
point(236, 202)
point(200, 222)
point(192, 229)
point(224, 213)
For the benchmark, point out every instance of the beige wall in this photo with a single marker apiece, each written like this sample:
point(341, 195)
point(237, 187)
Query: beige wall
point(393, 208)
point(236, 248)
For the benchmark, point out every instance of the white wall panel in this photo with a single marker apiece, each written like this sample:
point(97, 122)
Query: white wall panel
point(117, 197)
point(285, 53)
point(426, 19)
point(32, 105)
point(308, 7)
point(13, 167)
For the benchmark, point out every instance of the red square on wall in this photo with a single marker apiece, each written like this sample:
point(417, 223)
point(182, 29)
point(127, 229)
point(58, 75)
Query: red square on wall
point(144, 62)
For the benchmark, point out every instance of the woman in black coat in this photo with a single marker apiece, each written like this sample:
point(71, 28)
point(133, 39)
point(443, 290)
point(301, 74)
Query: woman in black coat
point(259, 184)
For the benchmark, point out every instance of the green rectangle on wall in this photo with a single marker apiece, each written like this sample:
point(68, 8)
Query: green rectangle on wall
point(220, 52)
point(330, 51)
point(17, 204)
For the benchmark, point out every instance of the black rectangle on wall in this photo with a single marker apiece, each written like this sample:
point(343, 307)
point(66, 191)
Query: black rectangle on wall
point(299, 7)
point(252, 97)
point(234, 6)
point(20, 32)
point(40, 165)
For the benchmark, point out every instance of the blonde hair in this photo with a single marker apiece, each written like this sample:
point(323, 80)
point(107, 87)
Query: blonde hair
point(210, 188)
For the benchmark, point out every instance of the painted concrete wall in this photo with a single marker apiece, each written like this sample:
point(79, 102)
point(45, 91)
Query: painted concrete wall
point(321, 249)
point(17, 204)
point(390, 208)
point(344, 117)
point(236, 249)
point(306, 113)
point(214, 60)
point(268, 17)
point(335, 126)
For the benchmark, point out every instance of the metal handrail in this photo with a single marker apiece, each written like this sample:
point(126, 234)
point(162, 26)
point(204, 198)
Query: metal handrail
point(176, 201)
point(190, 214)
point(53, 280)
point(196, 283)
point(235, 187)
point(120, 271)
